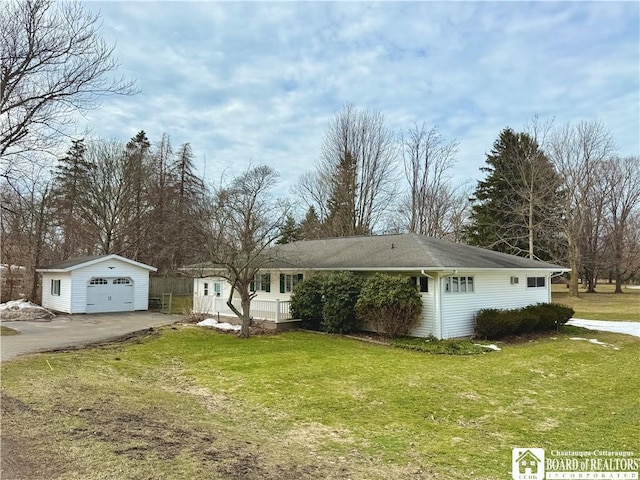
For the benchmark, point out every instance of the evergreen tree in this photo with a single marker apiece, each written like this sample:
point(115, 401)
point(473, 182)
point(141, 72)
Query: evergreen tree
point(341, 221)
point(137, 175)
point(516, 206)
point(70, 183)
point(311, 227)
point(290, 231)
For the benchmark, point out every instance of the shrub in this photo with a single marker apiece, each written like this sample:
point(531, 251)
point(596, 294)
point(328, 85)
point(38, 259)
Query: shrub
point(306, 302)
point(493, 323)
point(340, 294)
point(390, 303)
point(551, 316)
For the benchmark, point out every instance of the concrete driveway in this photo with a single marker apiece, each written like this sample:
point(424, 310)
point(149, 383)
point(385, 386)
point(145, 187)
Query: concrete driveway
point(72, 330)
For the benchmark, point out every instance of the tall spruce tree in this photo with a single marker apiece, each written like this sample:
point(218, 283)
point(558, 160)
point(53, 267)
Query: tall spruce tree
point(70, 183)
point(517, 206)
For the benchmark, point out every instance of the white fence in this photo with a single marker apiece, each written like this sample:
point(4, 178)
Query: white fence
point(273, 310)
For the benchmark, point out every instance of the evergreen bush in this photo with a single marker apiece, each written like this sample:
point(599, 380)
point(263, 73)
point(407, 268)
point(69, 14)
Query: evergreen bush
point(389, 303)
point(340, 294)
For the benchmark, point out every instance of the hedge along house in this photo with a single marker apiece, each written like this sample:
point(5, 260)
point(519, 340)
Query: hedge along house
point(108, 283)
point(455, 280)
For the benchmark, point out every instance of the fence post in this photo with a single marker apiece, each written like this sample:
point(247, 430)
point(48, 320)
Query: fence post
point(277, 310)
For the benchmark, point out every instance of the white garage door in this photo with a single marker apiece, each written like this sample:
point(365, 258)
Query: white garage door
point(110, 295)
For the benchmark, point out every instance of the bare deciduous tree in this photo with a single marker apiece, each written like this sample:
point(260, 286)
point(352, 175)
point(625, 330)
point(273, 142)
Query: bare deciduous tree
point(245, 221)
point(355, 179)
point(622, 205)
point(433, 206)
point(53, 64)
point(577, 153)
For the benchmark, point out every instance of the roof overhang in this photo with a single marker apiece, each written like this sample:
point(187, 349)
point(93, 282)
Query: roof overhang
point(95, 261)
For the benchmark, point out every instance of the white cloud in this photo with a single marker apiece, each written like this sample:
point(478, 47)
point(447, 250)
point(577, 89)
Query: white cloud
point(258, 82)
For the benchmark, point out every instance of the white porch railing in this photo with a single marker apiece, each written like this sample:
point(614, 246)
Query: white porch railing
point(273, 310)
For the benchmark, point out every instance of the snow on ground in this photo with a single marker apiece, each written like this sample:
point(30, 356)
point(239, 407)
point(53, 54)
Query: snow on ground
point(211, 322)
point(594, 341)
point(491, 347)
point(23, 310)
point(629, 328)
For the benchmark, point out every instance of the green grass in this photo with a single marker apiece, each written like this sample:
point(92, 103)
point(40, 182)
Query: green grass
point(603, 305)
point(7, 332)
point(443, 347)
point(304, 405)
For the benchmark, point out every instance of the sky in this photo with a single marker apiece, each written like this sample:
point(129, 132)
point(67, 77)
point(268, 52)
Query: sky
point(258, 83)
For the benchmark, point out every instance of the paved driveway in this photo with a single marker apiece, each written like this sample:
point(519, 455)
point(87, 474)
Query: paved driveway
point(71, 330)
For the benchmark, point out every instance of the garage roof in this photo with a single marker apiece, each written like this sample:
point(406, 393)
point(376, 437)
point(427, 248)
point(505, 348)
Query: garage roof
point(79, 262)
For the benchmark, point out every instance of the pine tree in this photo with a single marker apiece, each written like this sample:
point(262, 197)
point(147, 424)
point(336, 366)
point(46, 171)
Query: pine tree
point(516, 206)
point(70, 185)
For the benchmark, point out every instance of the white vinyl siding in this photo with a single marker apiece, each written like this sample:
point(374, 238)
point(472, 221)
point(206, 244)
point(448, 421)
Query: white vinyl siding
point(61, 302)
point(489, 292)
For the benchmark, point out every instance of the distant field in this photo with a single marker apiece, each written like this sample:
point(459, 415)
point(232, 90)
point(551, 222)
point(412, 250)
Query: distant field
point(602, 305)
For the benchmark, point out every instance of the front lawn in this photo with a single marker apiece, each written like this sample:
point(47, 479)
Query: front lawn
point(602, 305)
point(193, 403)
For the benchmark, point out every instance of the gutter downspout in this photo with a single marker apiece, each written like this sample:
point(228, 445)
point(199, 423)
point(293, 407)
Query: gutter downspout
point(434, 306)
point(441, 275)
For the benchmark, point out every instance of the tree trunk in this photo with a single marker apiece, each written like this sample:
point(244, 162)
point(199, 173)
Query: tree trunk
point(246, 318)
point(575, 265)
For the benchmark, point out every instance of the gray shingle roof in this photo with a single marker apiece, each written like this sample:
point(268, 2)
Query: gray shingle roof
point(404, 251)
point(70, 262)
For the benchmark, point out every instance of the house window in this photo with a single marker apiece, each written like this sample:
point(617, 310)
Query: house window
point(289, 282)
point(515, 280)
point(422, 283)
point(536, 282)
point(261, 283)
point(98, 281)
point(121, 281)
point(217, 289)
point(458, 284)
point(206, 289)
point(55, 287)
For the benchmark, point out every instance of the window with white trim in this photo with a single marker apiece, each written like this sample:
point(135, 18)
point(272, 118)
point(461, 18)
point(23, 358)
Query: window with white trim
point(457, 284)
point(261, 283)
point(121, 281)
point(205, 289)
point(536, 282)
point(217, 289)
point(422, 283)
point(55, 287)
point(289, 282)
point(98, 281)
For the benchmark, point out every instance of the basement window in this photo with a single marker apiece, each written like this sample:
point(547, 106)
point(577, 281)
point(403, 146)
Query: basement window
point(55, 287)
point(536, 282)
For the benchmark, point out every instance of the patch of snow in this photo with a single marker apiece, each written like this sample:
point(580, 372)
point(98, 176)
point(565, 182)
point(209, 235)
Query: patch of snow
point(629, 328)
point(212, 322)
point(491, 346)
point(24, 310)
point(594, 341)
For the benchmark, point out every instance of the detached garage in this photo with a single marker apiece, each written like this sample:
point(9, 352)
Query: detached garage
point(108, 283)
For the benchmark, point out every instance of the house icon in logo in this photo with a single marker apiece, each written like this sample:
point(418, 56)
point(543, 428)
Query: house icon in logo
point(528, 464)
